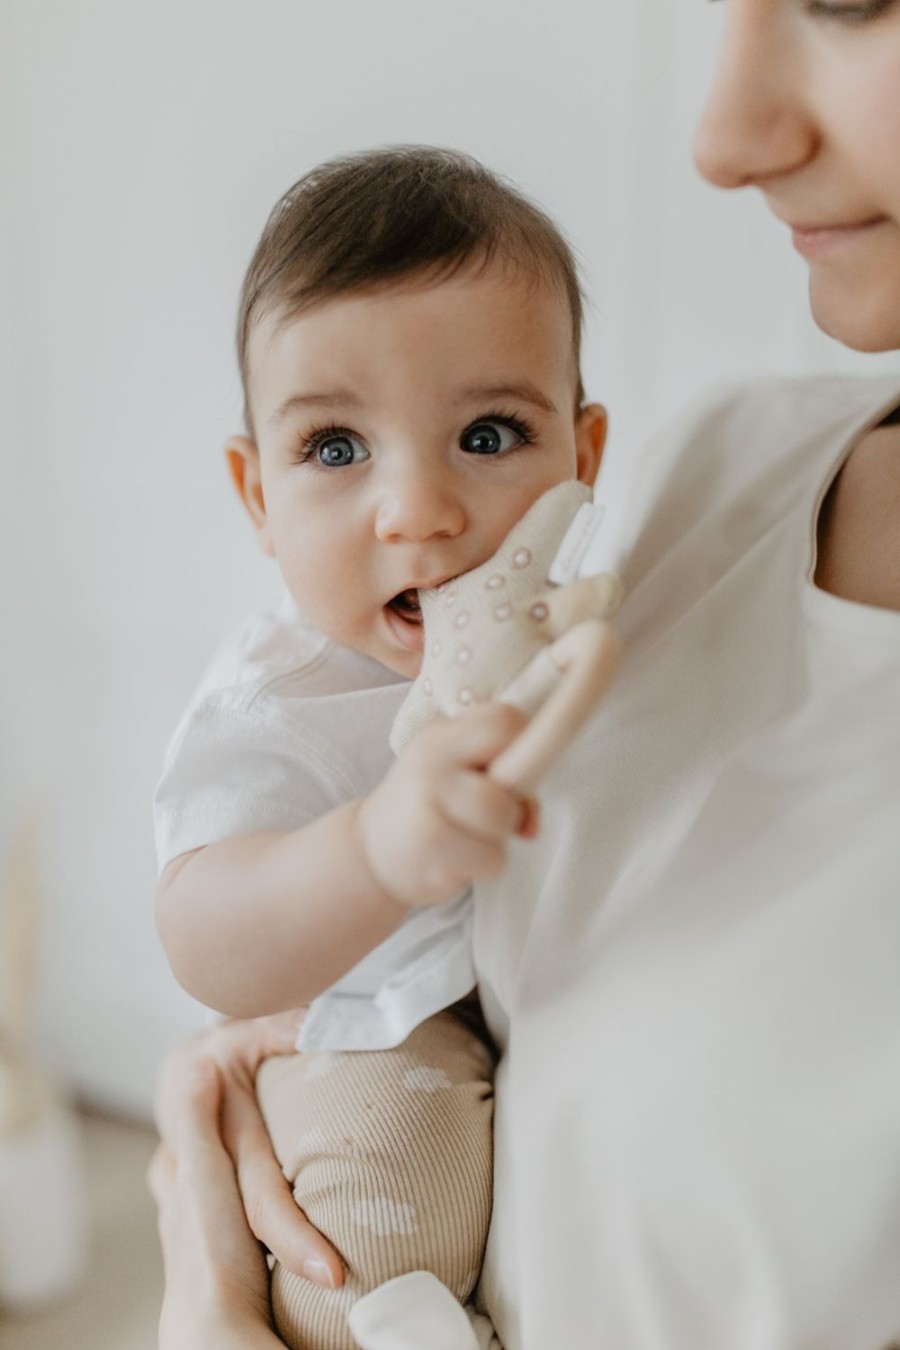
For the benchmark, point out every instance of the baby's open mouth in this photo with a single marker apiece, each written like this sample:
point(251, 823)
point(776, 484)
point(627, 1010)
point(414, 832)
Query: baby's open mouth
point(406, 606)
point(404, 618)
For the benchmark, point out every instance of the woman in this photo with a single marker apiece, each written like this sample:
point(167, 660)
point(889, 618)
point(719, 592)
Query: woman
point(722, 927)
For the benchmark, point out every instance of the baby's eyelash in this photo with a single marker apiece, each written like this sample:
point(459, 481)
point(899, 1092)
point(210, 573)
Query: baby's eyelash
point(515, 421)
point(314, 438)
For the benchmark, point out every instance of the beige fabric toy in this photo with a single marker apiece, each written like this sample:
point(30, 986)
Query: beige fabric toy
point(504, 632)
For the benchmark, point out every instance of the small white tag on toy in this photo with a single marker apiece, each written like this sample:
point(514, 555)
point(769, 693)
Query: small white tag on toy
point(576, 543)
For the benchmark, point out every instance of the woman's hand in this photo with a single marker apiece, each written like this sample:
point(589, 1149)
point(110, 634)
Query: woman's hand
point(216, 1279)
point(213, 1175)
point(217, 1283)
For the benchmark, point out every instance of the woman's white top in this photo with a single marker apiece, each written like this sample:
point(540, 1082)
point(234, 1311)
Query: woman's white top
point(285, 726)
point(695, 970)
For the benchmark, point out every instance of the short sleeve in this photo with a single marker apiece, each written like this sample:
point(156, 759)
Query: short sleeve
point(233, 768)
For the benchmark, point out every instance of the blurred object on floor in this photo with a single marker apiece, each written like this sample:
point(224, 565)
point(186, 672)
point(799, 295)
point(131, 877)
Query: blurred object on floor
point(43, 1203)
point(116, 1306)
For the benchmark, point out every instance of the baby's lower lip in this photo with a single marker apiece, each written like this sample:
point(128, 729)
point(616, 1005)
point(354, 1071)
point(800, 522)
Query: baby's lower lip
point(409, 634)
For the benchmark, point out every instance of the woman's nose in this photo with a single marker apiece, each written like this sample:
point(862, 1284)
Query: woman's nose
point(756, 126)
point(418, 506)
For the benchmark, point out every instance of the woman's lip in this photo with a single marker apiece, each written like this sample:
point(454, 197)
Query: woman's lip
point(410, 636)
point(818, 242)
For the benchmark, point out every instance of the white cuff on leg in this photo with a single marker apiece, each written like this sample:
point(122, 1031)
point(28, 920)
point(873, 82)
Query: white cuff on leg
point(417, 1312)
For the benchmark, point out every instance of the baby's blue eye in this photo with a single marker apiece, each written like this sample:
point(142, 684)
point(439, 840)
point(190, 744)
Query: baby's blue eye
point(489, 438)
point(336, 452)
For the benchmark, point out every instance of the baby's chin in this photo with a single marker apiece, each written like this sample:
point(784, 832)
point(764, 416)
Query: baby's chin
point(407, 664)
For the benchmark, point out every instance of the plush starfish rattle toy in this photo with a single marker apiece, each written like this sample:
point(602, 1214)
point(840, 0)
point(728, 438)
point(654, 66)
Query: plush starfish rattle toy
point(509, 631)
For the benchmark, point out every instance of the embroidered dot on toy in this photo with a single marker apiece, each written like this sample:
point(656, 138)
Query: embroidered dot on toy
point(465, 696)
point(494, 582)
point(503, 612)
point(464, 655)
point(539, 611)
point(462, 618)
point(521, 557)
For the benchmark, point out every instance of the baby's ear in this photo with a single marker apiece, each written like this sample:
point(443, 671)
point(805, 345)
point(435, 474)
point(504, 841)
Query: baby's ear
point(242, 456)
point(591, 426)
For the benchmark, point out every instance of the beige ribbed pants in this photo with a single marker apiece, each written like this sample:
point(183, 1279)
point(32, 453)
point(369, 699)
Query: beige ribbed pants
point(389, 1154)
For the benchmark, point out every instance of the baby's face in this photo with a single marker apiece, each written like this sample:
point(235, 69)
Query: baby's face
point(401, 433)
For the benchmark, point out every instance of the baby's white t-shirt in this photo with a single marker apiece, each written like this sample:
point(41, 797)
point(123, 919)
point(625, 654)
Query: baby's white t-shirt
point(285, 726)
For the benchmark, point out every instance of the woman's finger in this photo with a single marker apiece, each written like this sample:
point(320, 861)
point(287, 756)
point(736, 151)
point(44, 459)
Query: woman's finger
point(192, 1179)
point(254, 1040)
point(161, 1174)
point(236, 1047)
point(196, 1111)
point(217, 1286)
point(271, 1210)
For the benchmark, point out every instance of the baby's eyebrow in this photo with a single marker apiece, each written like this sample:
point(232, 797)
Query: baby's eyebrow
point(327, 398)
point(522, 391)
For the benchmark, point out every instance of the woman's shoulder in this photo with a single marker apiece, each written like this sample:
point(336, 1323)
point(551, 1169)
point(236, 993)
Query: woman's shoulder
point(749, 448)
point(772, 416)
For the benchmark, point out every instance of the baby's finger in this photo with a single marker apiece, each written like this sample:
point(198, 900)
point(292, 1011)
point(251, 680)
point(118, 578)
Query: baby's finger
point(481, 807)
point(476, 737)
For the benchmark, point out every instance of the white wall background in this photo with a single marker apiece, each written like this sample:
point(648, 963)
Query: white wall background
point(141, 147)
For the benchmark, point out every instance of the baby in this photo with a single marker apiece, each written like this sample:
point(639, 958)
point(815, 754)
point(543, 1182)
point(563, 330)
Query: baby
point(408, 341)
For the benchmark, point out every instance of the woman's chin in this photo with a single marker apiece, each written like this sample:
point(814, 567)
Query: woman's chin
point(864, 318)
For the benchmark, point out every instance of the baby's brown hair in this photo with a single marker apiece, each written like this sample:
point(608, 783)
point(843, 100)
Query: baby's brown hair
point(382, 215)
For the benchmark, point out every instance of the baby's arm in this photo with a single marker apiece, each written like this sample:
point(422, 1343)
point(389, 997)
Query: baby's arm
point(263, 922)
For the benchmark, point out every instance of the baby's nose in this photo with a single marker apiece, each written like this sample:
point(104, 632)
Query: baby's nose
point(420, 507)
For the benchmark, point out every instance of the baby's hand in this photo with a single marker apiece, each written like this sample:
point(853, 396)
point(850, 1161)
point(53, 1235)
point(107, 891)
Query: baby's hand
point(438, 822)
